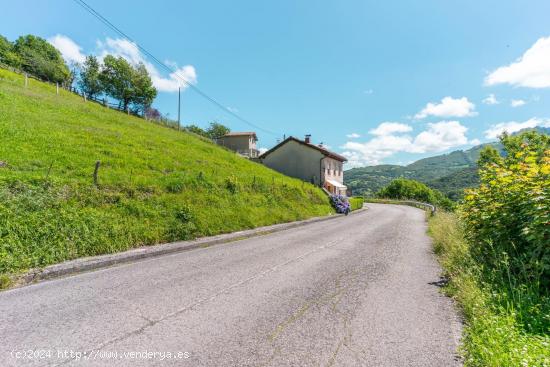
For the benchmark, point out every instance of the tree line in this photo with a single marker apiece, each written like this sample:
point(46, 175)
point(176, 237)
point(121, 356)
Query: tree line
point(113, 77)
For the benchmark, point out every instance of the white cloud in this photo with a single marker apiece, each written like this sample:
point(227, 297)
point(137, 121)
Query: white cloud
point(475, 142)
point(448, 107)
point(353, 136)
point(368, 91)
point(130, 51)
point(517, 102)
point(262, 150)
point(531, 70)
point(440, 136)
point(70, 51)
point(388, 128)
point(514, 126)
point(490, 100)
point(391, 138)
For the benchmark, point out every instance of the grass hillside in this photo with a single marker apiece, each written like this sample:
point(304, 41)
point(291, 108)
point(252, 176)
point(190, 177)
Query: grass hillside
point(156, 184)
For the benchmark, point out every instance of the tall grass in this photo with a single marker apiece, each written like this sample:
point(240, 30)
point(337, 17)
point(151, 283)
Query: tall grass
point(155, 184)
point(507, 321)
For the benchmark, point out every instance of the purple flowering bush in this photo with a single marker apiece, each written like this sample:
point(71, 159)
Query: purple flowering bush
point(340, 203)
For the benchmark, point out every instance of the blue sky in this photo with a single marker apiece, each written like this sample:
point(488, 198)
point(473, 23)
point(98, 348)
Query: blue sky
point(379, 81)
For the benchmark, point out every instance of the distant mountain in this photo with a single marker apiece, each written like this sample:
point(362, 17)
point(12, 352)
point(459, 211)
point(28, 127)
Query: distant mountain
point(450, 173)
point(368, 180)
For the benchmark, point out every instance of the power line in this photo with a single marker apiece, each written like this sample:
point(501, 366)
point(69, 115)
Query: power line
point(173, 71)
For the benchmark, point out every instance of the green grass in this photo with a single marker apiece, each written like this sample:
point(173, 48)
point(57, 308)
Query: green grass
point(156, 184)
point(507, 324)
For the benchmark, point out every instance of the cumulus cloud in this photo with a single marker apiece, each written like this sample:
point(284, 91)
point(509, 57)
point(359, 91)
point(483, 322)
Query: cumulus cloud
point(390, 138)
point(514, 126)
point(70, 51)
point(388, 128)
point(475, 142)
point(448, 107)
point(440, 136)
point(490, 100)
point(531, 70)
point(517, 102)
point(353, 136)
point(129, 51)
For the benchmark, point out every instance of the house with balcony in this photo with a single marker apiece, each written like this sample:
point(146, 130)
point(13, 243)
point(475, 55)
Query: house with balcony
point(309, 162)
point(243, 143)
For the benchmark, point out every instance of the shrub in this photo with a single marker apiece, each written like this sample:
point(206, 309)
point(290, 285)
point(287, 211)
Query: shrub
point(405, 189)
point(508, 216)
point(340, 203)
point(356, 202)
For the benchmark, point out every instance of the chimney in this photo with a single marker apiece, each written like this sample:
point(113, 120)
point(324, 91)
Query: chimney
point(308, 138)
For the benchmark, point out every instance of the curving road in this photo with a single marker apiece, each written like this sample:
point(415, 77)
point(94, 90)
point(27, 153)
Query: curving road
point(354, 291)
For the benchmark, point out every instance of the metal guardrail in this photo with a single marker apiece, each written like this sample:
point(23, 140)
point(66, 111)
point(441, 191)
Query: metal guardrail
point(418, 204)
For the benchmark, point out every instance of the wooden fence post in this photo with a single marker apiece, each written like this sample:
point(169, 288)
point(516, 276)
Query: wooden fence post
point(57, 88)
point(97, 163)
point(26, 80)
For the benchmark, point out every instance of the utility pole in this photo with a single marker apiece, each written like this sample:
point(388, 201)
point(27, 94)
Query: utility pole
point(179, 107)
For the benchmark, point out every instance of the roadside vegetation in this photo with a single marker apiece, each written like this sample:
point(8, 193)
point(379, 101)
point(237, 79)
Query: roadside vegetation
point(154, 184)
point(356, 202)
point(405, 189)
point(496, 255)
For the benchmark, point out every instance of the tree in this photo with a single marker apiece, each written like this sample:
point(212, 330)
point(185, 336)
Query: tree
point(144, 92)
point(89, 82)
point(507, 216)
point(196, 130)
point(7, 54)
point(116, 79)
point(216, 130)
point(405, 189)
point(41, 59)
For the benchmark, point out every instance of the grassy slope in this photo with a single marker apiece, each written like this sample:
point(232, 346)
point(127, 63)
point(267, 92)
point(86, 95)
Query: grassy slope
point(156, 184)
point(506, 325)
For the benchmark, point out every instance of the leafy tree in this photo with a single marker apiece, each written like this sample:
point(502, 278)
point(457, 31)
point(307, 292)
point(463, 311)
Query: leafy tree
point(116, 78)
point(216, 130)
point(404, 189)
point(40, 58)
point(89, 81)
point(196, 130)
point(144, 92)
point(508, 217)
point(7, 54)
point(488, 155)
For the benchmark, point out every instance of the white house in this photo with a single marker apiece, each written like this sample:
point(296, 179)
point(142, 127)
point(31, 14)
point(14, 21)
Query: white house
point(244, 143)
point(309, 162)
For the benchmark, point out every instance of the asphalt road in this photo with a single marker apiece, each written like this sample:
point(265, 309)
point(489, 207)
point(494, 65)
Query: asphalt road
point(355, 291)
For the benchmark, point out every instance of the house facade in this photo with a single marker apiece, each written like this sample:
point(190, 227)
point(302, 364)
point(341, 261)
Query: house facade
point(308, 162)
point(244, 143)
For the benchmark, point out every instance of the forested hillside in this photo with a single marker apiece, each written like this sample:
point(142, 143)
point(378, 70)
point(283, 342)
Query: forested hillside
point(449, 173)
